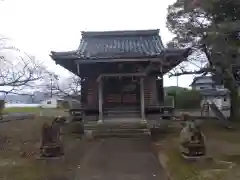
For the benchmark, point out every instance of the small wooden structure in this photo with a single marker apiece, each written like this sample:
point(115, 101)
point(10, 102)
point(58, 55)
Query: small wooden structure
point(121, 72)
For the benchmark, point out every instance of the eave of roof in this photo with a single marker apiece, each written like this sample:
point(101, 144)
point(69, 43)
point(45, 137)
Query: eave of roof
point(73, 55)
point(200, 77)
point(214, 92)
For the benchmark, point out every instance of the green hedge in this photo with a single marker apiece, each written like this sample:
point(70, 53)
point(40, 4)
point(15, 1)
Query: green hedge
point(185, 99)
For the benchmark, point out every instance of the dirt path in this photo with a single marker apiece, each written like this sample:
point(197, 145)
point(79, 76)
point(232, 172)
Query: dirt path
point(120, 159)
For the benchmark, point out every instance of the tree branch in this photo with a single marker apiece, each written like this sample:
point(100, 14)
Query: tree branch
point(201, 71)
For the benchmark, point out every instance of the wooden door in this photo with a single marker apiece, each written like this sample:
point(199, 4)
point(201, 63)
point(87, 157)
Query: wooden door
point(123, 91)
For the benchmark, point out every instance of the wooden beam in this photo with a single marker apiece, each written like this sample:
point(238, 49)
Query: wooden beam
point(148, 68)
point(120, 75)
point(142, 98)
point(153, 67)
point(78, 69)
point(90, 61)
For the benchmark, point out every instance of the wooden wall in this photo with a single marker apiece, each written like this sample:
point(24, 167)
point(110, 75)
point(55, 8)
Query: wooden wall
point(160, 90)
point(92, 92)
point(151, 93)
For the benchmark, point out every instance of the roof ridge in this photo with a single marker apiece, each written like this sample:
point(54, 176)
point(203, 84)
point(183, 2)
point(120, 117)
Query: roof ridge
point(120, 33)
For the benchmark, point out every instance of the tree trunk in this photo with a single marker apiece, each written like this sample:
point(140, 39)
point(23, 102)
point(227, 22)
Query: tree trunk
point(234, 109)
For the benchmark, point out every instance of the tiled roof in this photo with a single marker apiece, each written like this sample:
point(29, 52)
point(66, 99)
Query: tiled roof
point(196, 79)
point(213, 80)
point(120, 44)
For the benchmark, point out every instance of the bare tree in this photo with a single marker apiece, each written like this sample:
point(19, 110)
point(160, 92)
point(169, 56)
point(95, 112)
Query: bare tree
point(18, 71)
point(55, 85)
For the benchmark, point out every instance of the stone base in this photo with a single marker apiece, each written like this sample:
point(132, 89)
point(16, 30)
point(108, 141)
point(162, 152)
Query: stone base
point(193, 152)
point(49, 158)
point(51, 151)
point(193, 157)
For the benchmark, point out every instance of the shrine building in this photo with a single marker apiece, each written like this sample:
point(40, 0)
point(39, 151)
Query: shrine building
point(121, 72)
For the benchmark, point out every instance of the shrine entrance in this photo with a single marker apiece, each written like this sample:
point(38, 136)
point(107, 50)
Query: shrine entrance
point(121, 92)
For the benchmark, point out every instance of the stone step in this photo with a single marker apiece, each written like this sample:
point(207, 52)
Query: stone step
point(122, 133)
point(90, 126)
point(123, 108)
point(112, 116)
point(125, 135)
point(122, 126)
point(122, 130)
point(114, 127)
point(122, 112)
point(117, 123)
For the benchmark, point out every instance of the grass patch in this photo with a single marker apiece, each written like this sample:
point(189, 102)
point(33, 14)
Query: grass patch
point(19, 149)
point(223, 149)
point(21, 110)
point(182, 169)
point(38, 111)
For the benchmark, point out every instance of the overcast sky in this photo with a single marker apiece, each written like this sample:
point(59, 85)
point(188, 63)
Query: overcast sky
point(39, 26)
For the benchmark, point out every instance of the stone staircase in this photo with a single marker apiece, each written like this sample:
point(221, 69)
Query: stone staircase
point(122, 112)
point(119, 128)
point(221, 117)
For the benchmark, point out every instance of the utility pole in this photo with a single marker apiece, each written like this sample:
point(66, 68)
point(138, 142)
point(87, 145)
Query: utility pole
point(51, 80)
point(177, 81)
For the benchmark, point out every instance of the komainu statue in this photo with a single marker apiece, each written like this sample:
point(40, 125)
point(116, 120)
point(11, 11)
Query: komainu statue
point(51, 145)
point(192, 140)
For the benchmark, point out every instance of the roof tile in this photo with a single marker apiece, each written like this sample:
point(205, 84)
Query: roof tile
point(120, 44)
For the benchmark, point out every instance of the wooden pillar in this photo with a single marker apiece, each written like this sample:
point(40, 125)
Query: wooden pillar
point(160, 90)
point(142, 98)
point(100, 99)
point(154, 90)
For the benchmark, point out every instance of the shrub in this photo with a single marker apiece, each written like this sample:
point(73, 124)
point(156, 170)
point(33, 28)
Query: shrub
point(184, 98)
point(188, 99)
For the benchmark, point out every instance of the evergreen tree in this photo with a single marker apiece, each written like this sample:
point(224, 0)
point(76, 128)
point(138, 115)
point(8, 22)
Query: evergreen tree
point(211, 27)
